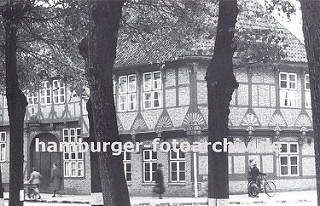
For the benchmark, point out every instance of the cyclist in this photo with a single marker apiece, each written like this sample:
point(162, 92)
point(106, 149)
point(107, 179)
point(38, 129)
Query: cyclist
point(254, 172)
point(35, 180)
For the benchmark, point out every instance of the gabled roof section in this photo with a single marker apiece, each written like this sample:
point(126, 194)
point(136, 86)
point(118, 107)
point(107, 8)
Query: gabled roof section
point(152, 49)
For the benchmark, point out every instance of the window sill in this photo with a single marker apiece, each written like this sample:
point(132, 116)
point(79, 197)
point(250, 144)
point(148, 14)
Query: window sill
point(127, 111)
point(153, 108)
point(289, 176)
point(284, 107)
point(176, 183)
point(72, 178)
point(148, 184)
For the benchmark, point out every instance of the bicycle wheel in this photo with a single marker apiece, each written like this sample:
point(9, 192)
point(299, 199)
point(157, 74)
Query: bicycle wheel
point(270, 189)
point(252, 188)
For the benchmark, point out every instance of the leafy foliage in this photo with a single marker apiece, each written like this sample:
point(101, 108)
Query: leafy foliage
point(47, 43)
point(151, 32)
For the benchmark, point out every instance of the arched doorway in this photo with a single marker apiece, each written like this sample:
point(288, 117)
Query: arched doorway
point(43, 160)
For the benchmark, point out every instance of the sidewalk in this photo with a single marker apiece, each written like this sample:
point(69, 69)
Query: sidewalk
point(281, 197)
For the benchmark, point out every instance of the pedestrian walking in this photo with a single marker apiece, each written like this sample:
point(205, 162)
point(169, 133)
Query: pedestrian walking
point(56, 179)
point(159, 187)
point(35, 181)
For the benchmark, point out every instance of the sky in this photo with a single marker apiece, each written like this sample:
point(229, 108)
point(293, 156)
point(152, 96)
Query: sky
point(294, 25)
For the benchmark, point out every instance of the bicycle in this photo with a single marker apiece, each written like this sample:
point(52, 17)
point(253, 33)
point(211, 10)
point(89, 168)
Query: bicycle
point(266, 186)
point(31, 191)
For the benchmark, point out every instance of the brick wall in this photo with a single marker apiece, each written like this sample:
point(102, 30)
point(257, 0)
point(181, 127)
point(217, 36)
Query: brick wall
point(139, 188)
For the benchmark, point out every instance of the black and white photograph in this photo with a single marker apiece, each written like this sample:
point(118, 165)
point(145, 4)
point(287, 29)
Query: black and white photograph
point(159, 102)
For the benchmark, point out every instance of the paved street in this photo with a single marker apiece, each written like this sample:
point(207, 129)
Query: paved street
point(282, 204)
point(295, 198)
point(255, 204)
point(49, 204)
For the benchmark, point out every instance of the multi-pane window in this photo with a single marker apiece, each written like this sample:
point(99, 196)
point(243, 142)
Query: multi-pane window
point(288, 159)
point(127, 165)
point(127, 93)
point(3, 101)
point(149, 165)
point(177, 166)
point(45, 93)
point(307, 91)
point(58, 90)
point(288, 89)
point(152, 94)
point(32, 97)
point(3, 141)
point(73, 159)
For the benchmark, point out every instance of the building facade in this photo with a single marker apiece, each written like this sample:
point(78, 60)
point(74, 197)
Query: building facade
point(166, 98)
point(271, 105)
point(54, 114)
point(170, 103)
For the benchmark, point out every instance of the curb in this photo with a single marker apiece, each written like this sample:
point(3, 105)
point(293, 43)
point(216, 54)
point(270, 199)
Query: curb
point(57, 201)
point(173, 204)
point(267, 202)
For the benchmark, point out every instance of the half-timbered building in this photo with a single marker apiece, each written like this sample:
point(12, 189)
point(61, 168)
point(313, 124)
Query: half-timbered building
point(160, 92)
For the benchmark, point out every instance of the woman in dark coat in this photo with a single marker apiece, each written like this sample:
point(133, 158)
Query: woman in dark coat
point(159, 187)
point(56, 179)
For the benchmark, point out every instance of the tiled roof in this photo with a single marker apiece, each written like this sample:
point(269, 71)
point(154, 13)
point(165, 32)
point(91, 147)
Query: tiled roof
point(155, 49)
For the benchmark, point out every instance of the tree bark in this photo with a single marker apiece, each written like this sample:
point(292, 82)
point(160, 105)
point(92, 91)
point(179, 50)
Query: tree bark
point(17, 102)
point(102, 42)
point(311, 29)
point(221, 83)
point(96, 189)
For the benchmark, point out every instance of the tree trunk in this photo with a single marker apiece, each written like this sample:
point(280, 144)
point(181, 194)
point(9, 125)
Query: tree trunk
point(221, 83)
point(311, 29)
point(102, 42)
point(16, 101)
point(96, 190)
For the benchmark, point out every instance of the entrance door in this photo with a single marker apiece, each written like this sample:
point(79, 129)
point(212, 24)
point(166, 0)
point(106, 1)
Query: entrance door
point(43, 161)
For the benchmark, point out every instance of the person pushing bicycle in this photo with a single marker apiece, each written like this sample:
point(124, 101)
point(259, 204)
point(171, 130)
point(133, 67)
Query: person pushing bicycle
point(254, 172)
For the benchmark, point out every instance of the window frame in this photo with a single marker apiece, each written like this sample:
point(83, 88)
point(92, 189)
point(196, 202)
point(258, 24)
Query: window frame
point(152, 90)
point(57, 85)
point(32, 96)
point(127, 162)
point(46, 88)
point(307, 92)
point(73, 158)
point(177, 161)
point(150, 162)
point(4, 102)
point(288, 154)
point(3, 150)
point(124, 100)
point(286, 94)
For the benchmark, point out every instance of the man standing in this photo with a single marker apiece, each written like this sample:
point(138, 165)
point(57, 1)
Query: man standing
point(56, 179)
point(159, 187)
